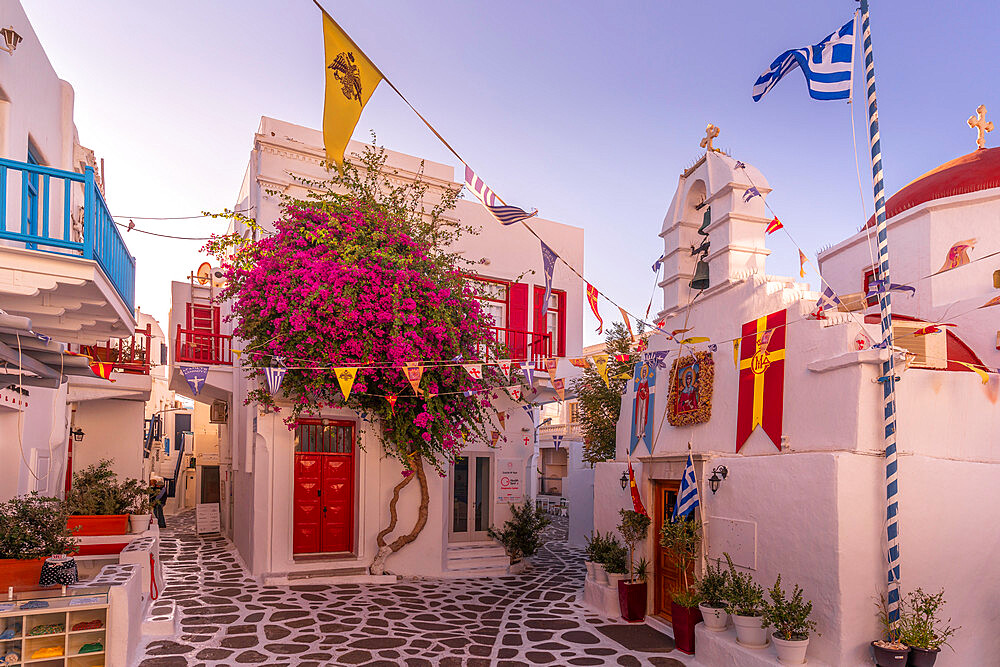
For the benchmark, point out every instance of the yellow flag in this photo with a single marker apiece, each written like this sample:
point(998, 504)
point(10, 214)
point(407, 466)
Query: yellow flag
point(695, 339)
point(601, 362)
point(983, 375)
point(736, 353)
point(345, 376)
point(350, 81)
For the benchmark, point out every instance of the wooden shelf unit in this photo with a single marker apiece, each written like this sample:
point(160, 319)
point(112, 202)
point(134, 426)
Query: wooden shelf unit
point(61, 612)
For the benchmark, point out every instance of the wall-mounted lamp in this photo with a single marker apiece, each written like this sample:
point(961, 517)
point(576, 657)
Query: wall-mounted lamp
point(10, 39)
point(77, 434)
point(624, 480)
point(716, 479)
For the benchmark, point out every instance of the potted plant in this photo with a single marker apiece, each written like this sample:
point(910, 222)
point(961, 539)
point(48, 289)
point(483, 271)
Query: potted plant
point(592, 552)
point(98, 503)
point(712, 590)
point(521, 534)
point(745, 601)
point(791, 623)
point(141, 511)
point(632, 592)
point(600, 550)
point(681, 540)
point(32, 528)
point(889, 651)
point(616, 562)
point(922, 630)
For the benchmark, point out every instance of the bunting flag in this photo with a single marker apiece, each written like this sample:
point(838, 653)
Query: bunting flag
point(502, 417)
point(528, 368)
point(557, 440)
point(475, 371)
point(275, 376)
point(762, 378)
point(656, 359)
point(802, 264)
point(687, 495)
point(877, 286)
point(515, 392)
point(559, 384)
point(773, 226)
point(750, 193)
point(995, 301)
point(644, 386)
point(642, 344)
point(678, 332)
point(736, 353)
point(933, 328)
point(978, 371)
point(548, 267)
point(623, 376)
point(958, 255)
point(592, 299)
point(827, 301)
point(505, 215)
point(350, 81)
point(695, 339)
point(623, 357)
point(551, 365)
point(628, 324)
point(346, 376)
point(494, 437)
point(657, 264)
point(634, 488)
point(195, 376)
point(392, 402)
point(238, 353)
point(102, 369)
point(504, 365)
point(713, 348)
point(739, 165)
point(414, 371)
point(601, 362)
point(580, 362)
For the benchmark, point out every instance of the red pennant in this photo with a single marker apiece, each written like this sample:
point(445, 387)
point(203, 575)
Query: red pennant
point(636, 498)
point(392, 402)
point(592, 299)
point(102, 370)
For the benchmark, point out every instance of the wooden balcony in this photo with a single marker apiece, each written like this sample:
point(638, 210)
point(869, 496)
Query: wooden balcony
point(198, 346)
point(522, 345)
point(130, 355)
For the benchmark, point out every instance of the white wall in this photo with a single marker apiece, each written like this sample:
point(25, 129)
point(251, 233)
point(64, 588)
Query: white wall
point(113, 430)
point(34, 443)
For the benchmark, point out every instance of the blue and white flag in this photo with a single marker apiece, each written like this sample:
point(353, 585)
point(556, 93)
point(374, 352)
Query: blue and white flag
point(195, 376)
point(827, 300)
point(528, 367)
point(505, 215)
point(687, 495)
point(275, 376)
point(876, 286)
point(750, 193)
point(827, 66)
point(557, 441)
point(530, 411)
point(548, 266)
point(658, 263)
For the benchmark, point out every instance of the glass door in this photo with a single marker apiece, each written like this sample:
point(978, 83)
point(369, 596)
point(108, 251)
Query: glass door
point(471, 498)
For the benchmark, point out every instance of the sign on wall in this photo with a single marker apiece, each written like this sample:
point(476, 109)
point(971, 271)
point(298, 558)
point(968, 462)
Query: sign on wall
point(509, 474)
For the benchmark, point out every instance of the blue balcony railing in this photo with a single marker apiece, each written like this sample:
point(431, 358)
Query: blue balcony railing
point(48, 199)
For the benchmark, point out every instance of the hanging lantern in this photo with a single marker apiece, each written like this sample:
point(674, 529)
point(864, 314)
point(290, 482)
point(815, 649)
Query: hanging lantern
point(10, 39)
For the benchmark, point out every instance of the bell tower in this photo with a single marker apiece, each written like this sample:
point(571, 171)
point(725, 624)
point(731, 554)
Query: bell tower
point(713, 232)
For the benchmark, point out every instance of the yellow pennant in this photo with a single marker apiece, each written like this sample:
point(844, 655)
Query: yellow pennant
point(628, 324)
point(346, 376)
point(695, 339)
point(736, 353)
point(350, 81)
point(601, 362)
point(239, 354)
point(623, 376)
point(414, 371)
point(983, 375)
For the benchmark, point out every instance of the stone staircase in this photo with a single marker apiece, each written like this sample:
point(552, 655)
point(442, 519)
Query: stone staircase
point(476, 559)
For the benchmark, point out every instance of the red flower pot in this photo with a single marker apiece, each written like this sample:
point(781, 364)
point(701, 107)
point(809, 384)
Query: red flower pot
point(84, 524)
point(632, 600)
point(21, 573)
point(684, 619)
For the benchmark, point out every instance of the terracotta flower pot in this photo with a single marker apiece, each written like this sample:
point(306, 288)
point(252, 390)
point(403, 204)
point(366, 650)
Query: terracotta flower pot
point(21, 573)
point(922, 657)
point(684, 619)
point(112, 524)
point(890, 657)
point(632, 600)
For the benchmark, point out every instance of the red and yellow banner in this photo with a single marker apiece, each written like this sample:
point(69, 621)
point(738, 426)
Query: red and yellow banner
point(592, 299)
point(762, 378)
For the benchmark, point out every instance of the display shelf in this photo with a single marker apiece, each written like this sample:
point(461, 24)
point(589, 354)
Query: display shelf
point(65, 607)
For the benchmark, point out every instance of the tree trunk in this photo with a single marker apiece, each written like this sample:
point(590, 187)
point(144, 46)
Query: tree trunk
point(384, 550)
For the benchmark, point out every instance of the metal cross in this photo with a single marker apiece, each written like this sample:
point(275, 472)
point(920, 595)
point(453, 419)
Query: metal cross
point(981, 125)
point(711, 132)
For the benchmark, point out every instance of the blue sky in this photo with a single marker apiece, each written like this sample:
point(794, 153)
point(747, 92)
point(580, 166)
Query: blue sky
point(586, 110)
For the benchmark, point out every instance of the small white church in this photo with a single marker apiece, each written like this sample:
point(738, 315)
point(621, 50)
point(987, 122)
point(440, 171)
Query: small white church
point(794, 412)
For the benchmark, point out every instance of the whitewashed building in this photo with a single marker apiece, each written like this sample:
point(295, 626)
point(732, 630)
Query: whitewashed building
point(809, 504)
point(262, 461)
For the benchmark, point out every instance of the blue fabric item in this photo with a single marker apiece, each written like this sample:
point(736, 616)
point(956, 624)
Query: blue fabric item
point(35, 604)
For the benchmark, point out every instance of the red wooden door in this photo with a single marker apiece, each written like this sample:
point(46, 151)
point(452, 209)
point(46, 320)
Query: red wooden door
point(324, 487)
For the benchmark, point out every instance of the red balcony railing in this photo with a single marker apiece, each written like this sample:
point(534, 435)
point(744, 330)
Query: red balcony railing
point(131, 355)
point(204, 347)
point(523, 345)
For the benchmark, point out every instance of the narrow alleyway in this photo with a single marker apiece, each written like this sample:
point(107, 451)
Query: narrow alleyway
point(226, 618)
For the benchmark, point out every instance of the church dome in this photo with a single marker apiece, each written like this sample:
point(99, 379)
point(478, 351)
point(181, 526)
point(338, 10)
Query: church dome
point(979, 170)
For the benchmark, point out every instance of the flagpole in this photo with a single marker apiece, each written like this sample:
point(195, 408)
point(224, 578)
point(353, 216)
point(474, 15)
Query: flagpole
point(888, 379)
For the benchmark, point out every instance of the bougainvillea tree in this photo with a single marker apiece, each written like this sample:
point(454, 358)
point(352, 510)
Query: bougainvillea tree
point(362, 275)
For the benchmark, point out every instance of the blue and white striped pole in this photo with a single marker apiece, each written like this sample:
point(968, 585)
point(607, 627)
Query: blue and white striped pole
point(888, 379)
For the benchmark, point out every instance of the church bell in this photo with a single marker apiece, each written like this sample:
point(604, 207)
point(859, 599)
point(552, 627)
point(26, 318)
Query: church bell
point(700, 280)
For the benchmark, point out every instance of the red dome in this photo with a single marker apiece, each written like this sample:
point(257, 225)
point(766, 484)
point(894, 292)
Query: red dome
point(979, 170)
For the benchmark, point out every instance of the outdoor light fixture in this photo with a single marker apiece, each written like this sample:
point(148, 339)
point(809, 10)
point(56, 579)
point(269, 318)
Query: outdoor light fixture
point(77, 434)
point(624, 480)
point(715, 479)
point(10, 39)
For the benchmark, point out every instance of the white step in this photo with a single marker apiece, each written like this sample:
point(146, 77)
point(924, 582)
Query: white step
point(477, 559)
point(161, 621)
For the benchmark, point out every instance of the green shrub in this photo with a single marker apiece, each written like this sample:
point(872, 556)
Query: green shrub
point(712, 587)
point(790, 617)
point(744, 596)
point(920, 626)
point(689, 599)
point(96, 490)
point(681, 539)
point(33, 526)
point(616, 558)
point(521, 535)
point(633, 528)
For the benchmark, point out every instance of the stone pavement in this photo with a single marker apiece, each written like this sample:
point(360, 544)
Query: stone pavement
point(227, 618)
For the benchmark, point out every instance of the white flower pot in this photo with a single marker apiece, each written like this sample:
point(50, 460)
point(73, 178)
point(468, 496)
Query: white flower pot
point(600, 574)
point(749, 632)
point(715, 620)
point(518, 567)
point(138, 523)
point(614, 578)
point(791, 652)
point(591, 567)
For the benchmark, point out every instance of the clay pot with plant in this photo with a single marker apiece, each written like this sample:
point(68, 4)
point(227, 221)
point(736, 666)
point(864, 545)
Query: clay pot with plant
point(100, 504)
point(32, 528)
point(711, 589)
point(681, 540)
point(921, 628)
point(789, 618)
point(745, 601)
point(632, 592)
point(890, 651)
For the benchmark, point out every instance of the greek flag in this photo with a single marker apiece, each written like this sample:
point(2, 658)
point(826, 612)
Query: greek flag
point(827, 66)
point(687, 495)
point(505, 214)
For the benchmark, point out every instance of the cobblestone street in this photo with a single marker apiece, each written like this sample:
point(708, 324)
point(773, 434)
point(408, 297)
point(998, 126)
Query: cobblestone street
point(226, 618)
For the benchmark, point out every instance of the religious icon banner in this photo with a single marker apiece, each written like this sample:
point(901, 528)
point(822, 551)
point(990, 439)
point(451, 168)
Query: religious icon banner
point(644, 385)
point(689, 400)
point(762, 378)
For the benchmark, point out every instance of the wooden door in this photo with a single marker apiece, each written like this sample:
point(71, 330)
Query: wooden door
point(667, 578)
point(323, 515)
point(471, 498)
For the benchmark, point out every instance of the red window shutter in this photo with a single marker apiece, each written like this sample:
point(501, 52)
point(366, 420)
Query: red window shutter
point(561, 349)
point(517, 319)
point(539, 310)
